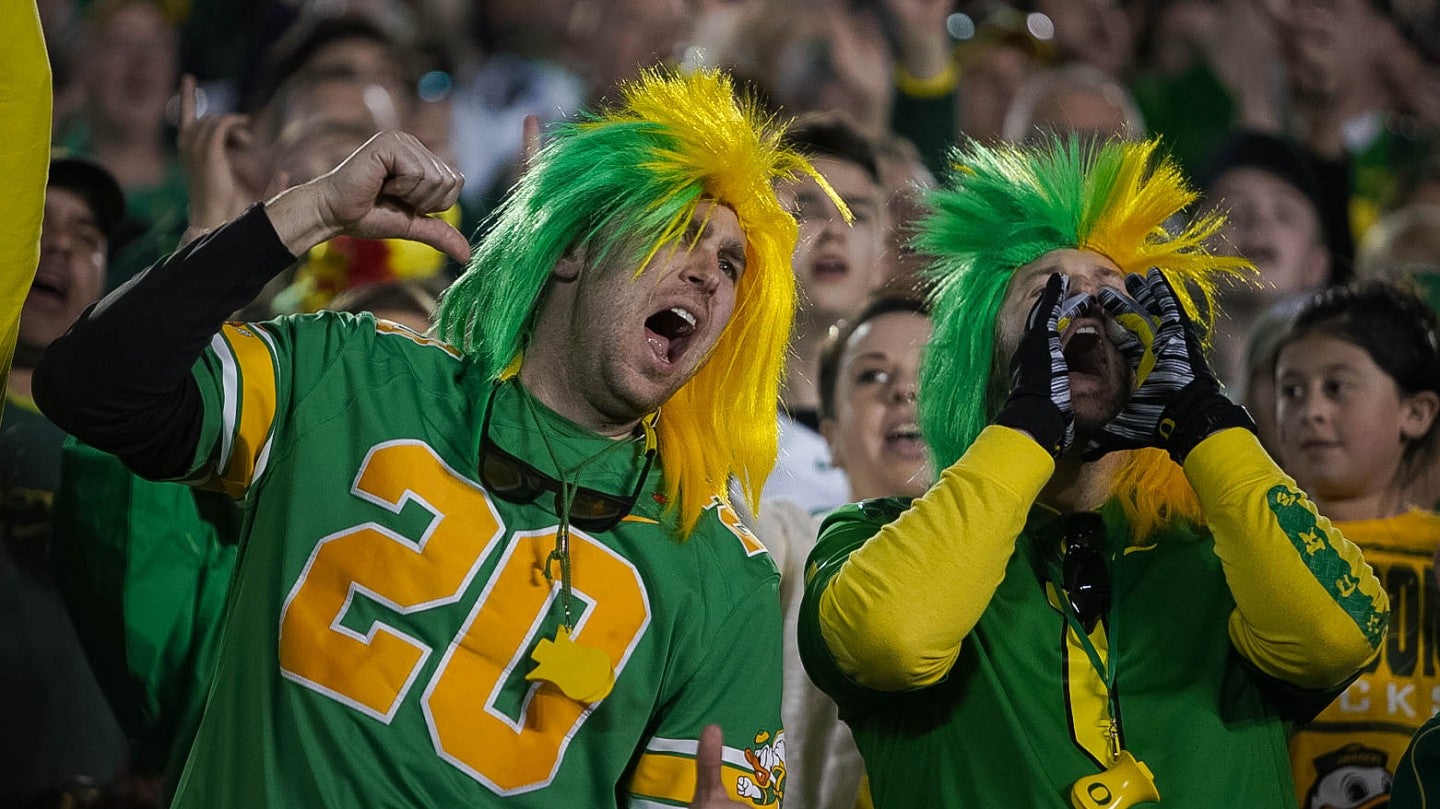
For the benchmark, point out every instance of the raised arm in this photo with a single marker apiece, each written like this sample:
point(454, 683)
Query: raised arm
point(1309, 610)
point(119, 379)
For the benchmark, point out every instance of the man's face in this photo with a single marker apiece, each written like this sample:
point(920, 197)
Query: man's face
point(1274, 225)
point(837, 264)
point(326, 122)
point(613, 347)
point(71, 274)
point(1100, 379)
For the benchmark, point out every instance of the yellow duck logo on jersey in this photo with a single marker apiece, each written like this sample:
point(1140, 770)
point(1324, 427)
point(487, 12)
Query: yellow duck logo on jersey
point(766, 783)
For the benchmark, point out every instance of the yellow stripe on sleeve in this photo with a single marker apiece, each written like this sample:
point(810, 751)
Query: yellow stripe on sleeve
point(255, 406)
point(671, 779)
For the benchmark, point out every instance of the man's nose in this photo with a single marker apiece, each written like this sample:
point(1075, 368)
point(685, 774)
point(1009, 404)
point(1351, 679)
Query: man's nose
point(701, 269)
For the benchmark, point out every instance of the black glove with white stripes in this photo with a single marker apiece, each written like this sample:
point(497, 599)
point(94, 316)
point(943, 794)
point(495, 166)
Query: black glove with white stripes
point(1039, 400)
point(1177, 402)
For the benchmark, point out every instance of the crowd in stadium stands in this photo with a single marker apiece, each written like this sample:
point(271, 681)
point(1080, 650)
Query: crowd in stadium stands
point(1311, 126)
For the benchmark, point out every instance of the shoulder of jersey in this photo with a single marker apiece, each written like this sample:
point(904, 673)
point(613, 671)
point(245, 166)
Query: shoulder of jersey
point(723, 536)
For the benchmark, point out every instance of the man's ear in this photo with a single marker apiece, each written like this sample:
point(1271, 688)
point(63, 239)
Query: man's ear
point(569, 266)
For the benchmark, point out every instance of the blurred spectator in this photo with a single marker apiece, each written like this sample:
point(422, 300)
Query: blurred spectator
point(1204, 66)
point(926, 75)
point(1359, 390)
point(1359, 89)
point(1271, 196)
point(1072, 98)
point(903, 176)
point(868, 378)
point(813, 56)
point(126, 64)
point(613, 40)
point(837, 265)
point(345, 83)
point(1255, 387)
point(993, 65)
point(519, 71)
point(1272, 200)
point(1093, 32)
point(58, 725)
point(1404, 244)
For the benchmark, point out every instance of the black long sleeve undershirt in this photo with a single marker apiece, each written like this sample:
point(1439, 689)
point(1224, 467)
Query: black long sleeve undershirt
point(120, 380)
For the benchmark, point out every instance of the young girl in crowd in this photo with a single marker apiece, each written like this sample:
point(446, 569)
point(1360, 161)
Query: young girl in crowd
point(1358, 383)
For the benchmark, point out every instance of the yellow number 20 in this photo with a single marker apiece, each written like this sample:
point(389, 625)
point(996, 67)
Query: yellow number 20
point(373, 671)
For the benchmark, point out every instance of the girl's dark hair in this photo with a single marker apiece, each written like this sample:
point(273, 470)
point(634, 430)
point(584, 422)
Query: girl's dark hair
point(1394, 325)
point(834, 348)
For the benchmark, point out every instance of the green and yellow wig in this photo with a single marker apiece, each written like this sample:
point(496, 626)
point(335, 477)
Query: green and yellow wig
point(624, 185)
point(1004, 206)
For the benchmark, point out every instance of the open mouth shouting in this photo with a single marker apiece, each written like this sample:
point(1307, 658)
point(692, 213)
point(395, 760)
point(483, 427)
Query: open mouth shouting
point(50, 286)
point(670, 332)
point(903, 440)
point(829, 268)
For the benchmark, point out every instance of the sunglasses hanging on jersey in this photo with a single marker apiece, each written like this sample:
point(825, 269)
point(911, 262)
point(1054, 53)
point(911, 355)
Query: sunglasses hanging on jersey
point(516, 481)
point(1084, 574)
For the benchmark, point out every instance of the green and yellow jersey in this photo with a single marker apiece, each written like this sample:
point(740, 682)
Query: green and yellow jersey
point(937, 626)
point(385, 606)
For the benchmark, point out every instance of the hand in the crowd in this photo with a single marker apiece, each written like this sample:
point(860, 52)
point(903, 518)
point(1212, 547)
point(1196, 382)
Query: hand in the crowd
point(1174, 363)
point(861, 60)
point(709, 788)
point(382, 191)
point(920, 33)
point(1039, 402)
point(207, 147)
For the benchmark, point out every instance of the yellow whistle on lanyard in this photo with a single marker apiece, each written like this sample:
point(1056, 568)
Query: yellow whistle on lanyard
point(581, 672)
point(1126, 783)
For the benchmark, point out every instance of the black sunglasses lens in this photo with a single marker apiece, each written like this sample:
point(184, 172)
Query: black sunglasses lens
point(596, 511)
point(1087, 578)
point(1088, 582)
point(507, 478)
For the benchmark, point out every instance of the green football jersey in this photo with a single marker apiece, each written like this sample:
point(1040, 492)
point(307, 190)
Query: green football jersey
point(1021, 714)
point(386, 607)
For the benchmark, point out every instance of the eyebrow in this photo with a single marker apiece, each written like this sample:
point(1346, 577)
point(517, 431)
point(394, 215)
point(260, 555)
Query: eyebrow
point(869, 355)
point(861, 202)
point(735, 251)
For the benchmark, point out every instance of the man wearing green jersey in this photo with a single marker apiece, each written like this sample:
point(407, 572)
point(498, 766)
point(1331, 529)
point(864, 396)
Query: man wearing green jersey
point(1112, 595)
point(498, 568)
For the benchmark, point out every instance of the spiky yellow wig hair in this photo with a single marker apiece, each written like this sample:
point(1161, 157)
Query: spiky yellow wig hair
point(1004, 206)
point(624, 185)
